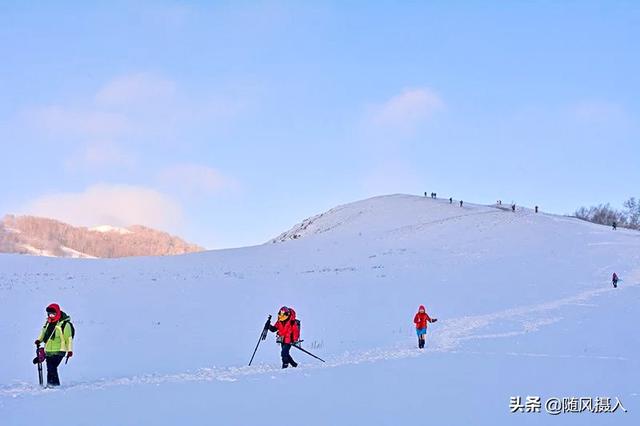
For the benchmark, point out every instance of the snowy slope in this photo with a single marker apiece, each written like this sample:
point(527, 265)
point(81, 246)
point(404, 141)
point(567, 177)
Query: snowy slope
point(68, 252)
point(523, 300)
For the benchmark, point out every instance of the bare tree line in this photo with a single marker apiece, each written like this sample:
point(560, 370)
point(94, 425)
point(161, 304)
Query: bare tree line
point(51, 236)
point(604, 214)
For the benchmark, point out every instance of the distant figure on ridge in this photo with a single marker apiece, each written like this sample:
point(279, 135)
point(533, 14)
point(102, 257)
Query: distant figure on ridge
point(421, 319)
point(615, 225)
point(536, 209)
point(425, 194)
point(460, 203)
point(614, 280)
point(513, 207)
point(450, 200)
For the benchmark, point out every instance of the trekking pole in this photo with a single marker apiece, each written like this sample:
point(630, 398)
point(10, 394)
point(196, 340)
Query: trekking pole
point(263, 336)
point(308, 353)
point(39, 362)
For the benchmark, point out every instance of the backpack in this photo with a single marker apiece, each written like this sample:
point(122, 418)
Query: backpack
point(50, 332)
point(73, 329)
point(297, 324)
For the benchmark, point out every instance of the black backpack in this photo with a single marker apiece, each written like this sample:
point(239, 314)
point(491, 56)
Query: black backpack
point(73, 329)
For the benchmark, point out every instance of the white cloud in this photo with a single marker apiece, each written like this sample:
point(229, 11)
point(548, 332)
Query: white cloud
point(82, 123)
point(195, 178)
point(129, 110)
point(100, 154)
point(406, 110)
point(135, 89)
point(116, 205)
point(127, 114)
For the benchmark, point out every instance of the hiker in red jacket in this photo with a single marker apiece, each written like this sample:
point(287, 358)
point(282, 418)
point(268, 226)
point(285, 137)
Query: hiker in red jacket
point(288, 329)
point(421, 319)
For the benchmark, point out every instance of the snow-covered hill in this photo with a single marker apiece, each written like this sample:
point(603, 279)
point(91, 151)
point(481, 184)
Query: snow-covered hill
point(524, 303)
point(48, 237)
point(382, 215)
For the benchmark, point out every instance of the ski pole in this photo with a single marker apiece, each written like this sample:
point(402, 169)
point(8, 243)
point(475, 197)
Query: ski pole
point(40, 378)
point(263, 336)
point(308, 353)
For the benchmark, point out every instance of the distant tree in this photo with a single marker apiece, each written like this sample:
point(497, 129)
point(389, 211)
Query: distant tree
point(632, 212)
point(604, 214)
point(24, 233)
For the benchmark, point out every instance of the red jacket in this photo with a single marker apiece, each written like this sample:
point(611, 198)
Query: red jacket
point(288, 331)
point(422, 318)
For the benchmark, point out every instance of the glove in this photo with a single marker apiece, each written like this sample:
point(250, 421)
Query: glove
point(435, 319)
point(69, 354)
point(37, 342)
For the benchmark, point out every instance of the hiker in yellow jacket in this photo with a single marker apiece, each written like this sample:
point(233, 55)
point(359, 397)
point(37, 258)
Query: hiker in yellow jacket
point(57, 335)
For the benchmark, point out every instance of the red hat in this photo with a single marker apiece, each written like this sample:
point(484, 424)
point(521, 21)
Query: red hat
point(54, 308)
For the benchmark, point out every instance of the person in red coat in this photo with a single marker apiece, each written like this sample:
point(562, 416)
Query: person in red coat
point(288, 330)
point(421, 320)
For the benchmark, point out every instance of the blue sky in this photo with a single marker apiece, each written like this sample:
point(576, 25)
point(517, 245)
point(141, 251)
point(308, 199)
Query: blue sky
point(228, 122)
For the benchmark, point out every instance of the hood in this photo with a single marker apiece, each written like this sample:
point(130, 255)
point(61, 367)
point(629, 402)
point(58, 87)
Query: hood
point(56, 309)
point(422, 307)
point(292, 314)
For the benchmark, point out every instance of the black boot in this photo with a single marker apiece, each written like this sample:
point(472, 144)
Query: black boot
point(293, 363)
point(285, 365)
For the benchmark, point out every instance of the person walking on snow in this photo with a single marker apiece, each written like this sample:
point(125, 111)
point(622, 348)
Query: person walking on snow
point(288, 330)
point(421, 320)
point(614, 280)
point(57, 335)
